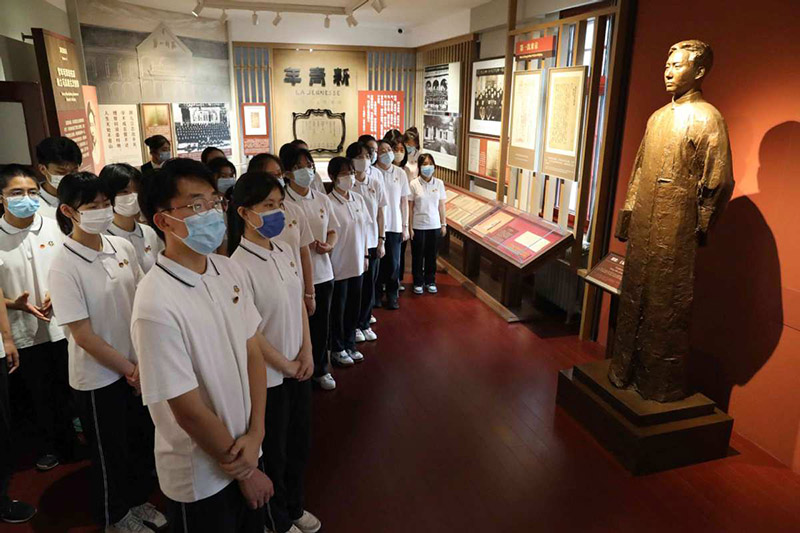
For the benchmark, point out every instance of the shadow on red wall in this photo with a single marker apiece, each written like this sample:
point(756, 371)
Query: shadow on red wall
point(738, 313)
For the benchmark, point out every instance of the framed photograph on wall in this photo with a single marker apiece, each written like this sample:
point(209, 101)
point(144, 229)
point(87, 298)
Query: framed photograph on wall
point(442, 84)
point(156, 120)
point(199, 125)
point(526, 100)
point(566, 88)
point(486, 105)
point(440, 136)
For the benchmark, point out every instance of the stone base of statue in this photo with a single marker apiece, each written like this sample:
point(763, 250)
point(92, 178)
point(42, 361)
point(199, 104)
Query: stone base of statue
point(646, 436)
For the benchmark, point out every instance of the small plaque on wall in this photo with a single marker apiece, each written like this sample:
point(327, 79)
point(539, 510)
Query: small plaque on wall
point(563, 121)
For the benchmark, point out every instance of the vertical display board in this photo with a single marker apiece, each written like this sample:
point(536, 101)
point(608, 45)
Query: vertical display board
point(157, 120)
point(315, 97)
point(442, 121)
point(380, 111)
point(59, 72)
point(486, 107)
point(563, 121)
point(255, 128)
point(484, 157)
point(526, 99)
point(120, 131)
point(95, 128)
point(199, 125)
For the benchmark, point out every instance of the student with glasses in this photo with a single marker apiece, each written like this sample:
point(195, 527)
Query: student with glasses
point(93, 281)
point(29, 244)
point(201, 360)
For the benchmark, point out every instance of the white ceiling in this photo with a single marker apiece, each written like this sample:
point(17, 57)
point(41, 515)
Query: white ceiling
point(397, 14)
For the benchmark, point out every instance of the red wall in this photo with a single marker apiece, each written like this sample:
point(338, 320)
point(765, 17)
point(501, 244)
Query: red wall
point(746, 325)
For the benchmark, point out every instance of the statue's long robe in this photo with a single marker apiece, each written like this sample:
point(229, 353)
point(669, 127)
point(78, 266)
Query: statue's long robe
point(681, 181)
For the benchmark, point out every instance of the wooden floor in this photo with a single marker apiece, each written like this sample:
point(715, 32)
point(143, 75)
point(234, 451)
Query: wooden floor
point(450, 424)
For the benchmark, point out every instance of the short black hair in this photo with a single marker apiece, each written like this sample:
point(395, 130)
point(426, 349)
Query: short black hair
point(251, 189)
point(259, 162)
point(290, 155)
point(117, 176)
point(159, 190)
point(15, 170)
point(75, 190)
point(156, 142)
point(336, 165)
point(58, 150)
point(297, 142)
point(422, 157)
point(216, 165)
point(355, 149)
point(208, 151)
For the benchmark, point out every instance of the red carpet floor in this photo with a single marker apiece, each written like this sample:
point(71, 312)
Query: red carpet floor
point(450, 424)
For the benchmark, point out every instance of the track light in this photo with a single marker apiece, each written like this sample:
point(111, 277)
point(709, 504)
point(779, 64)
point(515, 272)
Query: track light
point(224, 17)
point(197, 9)
point(255, 18)
point(351, 21)
point(277, 19)
point(378, 5)
point(327, 21)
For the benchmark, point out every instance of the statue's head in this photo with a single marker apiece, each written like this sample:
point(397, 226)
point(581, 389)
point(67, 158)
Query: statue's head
point(687, 66)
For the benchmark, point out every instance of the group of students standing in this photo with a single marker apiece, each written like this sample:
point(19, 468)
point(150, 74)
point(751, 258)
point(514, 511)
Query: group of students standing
point(158, 310)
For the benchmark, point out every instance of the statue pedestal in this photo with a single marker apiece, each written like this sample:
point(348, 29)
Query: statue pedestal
point(646, 436)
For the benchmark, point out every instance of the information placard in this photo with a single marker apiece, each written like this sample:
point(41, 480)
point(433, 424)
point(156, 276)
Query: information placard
point(564, 121)
point(607, 274)
point(255, 128)
point(380, 111)
point(526, 99)
point(120, 129)
point(484, 157)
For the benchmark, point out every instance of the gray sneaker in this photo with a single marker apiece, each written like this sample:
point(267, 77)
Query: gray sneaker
point(151, 516)
point(129, 524)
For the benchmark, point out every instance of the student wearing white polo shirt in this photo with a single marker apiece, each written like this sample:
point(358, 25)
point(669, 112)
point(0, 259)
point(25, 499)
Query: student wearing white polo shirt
point(297, 233)
point(370, 188)
point(318, 211)
point(428, 222)
point(93, 281)
point(56, 157)
point(316, 182)
point(122, 181)
point(395, 187)
point(350, 260)
point(29, 244)
point(411, 141)
point(255, 219)
point(201, 360)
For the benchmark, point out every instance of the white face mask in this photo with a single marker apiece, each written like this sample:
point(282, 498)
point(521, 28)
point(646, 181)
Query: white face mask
point(398, 156)
point(345, 183)
point(360, 165)
point(127, 205)
point(96, 221)
point(55, 179)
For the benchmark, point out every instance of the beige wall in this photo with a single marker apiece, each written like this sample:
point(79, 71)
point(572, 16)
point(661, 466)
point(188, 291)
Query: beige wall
point(19, 16)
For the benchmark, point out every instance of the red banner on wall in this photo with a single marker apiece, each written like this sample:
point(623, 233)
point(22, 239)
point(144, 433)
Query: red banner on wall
point(535, 48)
point(380, 111)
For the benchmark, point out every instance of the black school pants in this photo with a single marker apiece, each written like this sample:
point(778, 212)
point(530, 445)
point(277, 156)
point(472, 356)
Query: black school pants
point(6, 462)
point(225, 511)
point(121, 434)
point(370, 278)
point(44, 372)
point(319, 327)
point(344, 313)
point(287, 443)
point(424, 249)
point(389, 276)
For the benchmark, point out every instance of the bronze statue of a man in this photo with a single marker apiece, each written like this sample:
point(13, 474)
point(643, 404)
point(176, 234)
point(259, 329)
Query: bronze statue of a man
point(681, 181)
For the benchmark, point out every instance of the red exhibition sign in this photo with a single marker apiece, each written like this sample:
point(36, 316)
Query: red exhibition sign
point(536, 48)
point(380, 111)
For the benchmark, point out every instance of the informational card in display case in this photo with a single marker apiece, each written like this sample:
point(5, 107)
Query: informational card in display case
point(464, 208)
point(563, 121)
point(526, 99)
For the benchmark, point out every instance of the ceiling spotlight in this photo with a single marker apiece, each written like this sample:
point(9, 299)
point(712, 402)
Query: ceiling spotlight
point(378, 5)
point(223, 17)
point(327, 21)
point(197, 9)
point(255, 18)
point(351, 21)
point(277, 19)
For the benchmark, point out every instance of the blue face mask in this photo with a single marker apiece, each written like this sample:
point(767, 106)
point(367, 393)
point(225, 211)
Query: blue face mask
point(386, 158)
point(223, 184)
point(163, 157)
point(272, 223)
point(23, 206)
point(303, 176)
point(410, 149)
point(206, 231)
point(427, 170)
point(373, 158)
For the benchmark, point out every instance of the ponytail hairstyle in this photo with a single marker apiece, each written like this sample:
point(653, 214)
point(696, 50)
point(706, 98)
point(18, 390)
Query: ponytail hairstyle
point(155, 143)
point(75, 190)
point(251, 189)
point(11, 171)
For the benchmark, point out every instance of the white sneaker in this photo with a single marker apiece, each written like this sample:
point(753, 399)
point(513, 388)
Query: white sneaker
point(417, 289)
point(355, 355)
point(341, 358)
point(372, 320)
point(360, 336)
point(151, 516)
point(402, 288)
point(294, 529)
point(326, 382)
point(370, 335)
point(432, 289)
point(308, 523)
point(129, 524)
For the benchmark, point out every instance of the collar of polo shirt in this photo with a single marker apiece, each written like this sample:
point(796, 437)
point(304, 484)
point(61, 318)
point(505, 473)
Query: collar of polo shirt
point(185, 275)
point(258, 250)
point(119, 232)
point(35, 226)
point(89, 254)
